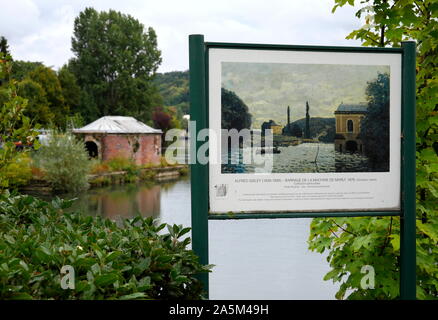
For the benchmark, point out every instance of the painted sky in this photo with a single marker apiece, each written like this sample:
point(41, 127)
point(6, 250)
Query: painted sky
point(41, 30)
point(269, 88)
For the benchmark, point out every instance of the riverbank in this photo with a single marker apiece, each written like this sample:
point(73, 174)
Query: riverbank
point(156, 174)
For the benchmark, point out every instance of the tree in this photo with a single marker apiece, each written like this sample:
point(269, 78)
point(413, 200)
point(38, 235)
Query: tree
point(4, 47)
point(49, 82)
point(235, 113)
point(162, 120)
point(38, 107)
point(21, 69)
point(115, 61)
point(354, 242)
point(70, 89)
point(375, 125)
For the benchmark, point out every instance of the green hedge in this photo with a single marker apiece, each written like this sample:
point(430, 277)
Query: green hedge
point(135, 261)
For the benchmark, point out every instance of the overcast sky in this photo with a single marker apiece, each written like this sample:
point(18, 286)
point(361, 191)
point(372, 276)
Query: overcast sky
point(41, 30)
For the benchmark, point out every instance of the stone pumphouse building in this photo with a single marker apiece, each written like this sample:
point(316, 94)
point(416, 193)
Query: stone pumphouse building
point(348, 121)
point(121, 137)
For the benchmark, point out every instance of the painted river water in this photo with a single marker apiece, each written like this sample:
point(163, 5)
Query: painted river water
point(255, 259)
point(305, 157)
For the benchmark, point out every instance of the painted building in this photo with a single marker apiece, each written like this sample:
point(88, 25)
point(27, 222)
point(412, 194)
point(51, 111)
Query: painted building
point(276, 129)
point(348, 121)
point(121, 137)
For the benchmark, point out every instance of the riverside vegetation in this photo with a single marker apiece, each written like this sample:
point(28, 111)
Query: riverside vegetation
point(135, 261)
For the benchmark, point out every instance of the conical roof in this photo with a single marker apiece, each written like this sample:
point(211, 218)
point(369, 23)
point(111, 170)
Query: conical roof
point(116, 124)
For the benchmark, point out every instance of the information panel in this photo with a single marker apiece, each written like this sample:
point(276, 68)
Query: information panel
point(294, 130)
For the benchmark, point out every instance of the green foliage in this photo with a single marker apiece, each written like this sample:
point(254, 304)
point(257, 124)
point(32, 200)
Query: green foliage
point(124, 164)
point(71, 91)
point(14, 127)
point(135, 261)
point(49, 81)
point(174, 88)
point(115, 61)
point(388, 23)
point(21, 69)
point(235, 113)
point(355, 242)
point(375, 125)
point(4, 47)
point(65, 162)
point(18, 172)
point(38, 107)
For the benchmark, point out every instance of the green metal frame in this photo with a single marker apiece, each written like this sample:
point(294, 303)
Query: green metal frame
point(198, 64)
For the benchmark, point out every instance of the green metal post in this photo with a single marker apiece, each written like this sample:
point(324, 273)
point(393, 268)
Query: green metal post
point(199, 172)
point(408, 217)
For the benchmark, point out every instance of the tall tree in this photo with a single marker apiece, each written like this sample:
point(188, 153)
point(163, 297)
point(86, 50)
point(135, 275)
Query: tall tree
point(4, 47)
point(375, 125)
point(235, 114)
point(115, 61)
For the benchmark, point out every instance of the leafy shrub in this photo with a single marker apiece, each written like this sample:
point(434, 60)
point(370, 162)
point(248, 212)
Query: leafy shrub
point(14, 125)
point(65, 161)
point(18, 172)
point(121, 164)
point(97, 167)
point(125, 164)
point(135, 261)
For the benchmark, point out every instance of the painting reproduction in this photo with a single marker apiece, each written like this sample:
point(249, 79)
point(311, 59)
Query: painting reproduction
point(323, 118)
point(304, 130)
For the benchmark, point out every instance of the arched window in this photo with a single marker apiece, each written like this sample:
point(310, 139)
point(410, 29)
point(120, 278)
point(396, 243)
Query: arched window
point(93, 150)
point(350, 125)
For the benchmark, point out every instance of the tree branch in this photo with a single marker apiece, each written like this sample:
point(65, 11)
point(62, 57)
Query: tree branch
point(343, 228)
point(385, 243)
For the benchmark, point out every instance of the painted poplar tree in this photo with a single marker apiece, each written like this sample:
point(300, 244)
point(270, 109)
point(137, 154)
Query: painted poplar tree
point(355, 242)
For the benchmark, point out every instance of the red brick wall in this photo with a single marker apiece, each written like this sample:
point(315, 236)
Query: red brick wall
point(142, 149)
point(150, 149)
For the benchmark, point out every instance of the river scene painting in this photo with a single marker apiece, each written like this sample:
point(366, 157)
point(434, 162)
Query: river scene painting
point(323, 117)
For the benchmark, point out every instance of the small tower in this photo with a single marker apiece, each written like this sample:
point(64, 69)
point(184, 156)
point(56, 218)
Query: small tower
point(288, 116)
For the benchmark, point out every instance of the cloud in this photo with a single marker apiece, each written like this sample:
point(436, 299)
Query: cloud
point(41, 30)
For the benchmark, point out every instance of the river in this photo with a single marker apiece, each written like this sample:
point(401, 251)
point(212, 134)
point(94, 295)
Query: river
point(255, 259)
point(303, 158)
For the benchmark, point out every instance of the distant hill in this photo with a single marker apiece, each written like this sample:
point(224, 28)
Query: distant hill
point(322, 128)
point(174, 88)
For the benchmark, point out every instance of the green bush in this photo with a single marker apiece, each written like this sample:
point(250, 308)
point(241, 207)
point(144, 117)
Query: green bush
point(65, 162)
point(134, 261)
point(125, 164)
point(18, 172)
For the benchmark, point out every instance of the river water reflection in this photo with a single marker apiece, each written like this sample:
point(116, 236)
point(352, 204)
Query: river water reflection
point(255, 259)
point(303, 158)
